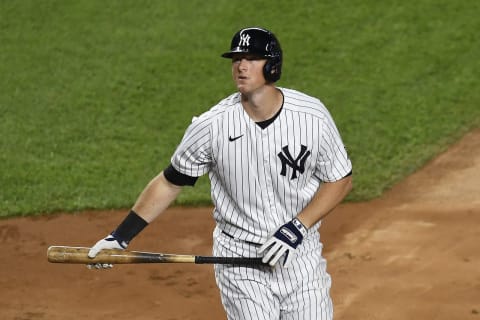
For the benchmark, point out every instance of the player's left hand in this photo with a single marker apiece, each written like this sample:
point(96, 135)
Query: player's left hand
point(284, 241)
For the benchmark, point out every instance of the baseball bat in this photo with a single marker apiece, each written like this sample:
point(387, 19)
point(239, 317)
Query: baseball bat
point(65, 254)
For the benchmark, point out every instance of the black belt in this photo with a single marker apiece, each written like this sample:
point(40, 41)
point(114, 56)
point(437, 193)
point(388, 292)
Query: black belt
point(249, 242)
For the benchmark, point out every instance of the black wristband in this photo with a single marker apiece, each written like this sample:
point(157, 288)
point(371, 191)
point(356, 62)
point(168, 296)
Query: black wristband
point(130, 227)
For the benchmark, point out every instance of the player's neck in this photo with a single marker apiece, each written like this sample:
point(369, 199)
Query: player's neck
point(263, 104)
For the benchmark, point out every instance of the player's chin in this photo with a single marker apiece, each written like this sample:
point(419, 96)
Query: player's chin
point(242, 88)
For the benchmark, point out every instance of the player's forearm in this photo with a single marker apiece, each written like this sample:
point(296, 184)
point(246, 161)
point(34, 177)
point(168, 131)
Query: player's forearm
point(155, 198)
point(325, 200)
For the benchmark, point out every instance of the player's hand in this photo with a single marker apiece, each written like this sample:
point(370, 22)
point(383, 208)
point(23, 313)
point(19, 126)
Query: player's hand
point(284, 241)
point(109, 242)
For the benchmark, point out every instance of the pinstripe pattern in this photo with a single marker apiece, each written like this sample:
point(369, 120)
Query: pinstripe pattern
point(300, 292)
point(260, 179)
point(250, 195)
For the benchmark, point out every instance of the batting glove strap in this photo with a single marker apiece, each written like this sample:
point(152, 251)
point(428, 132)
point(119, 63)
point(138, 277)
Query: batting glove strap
point(129, 228)
point(300, 226)
point(113, 237)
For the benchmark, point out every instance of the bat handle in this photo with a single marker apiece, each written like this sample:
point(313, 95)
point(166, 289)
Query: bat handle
point(229, 260)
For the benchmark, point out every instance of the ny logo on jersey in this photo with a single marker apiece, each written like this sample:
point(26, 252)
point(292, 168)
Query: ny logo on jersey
point(297, 164)
point(244, 40)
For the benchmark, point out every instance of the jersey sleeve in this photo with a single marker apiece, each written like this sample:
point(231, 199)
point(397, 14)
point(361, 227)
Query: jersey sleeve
point(193, 156)
point(334, 163)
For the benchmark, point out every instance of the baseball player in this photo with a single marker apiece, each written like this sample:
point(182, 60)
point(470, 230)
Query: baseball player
point(277, 166)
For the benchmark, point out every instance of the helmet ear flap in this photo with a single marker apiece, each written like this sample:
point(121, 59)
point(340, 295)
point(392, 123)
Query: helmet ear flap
point(272, 69)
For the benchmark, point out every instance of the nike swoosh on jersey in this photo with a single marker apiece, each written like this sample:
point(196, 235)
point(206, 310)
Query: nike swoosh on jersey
point(234, 138)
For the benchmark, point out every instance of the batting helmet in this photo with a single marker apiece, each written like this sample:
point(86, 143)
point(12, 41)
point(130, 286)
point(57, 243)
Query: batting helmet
point(262, 43)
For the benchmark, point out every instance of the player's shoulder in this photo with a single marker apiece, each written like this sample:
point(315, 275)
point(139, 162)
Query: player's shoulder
point(219, 109)
point(228, 102)
point(296, 95)
point(297, 101)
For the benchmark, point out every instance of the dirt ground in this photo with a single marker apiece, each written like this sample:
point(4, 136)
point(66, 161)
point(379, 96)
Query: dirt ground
point(411, 254)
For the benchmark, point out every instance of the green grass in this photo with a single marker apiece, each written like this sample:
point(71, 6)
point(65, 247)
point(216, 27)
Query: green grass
point(96, 94)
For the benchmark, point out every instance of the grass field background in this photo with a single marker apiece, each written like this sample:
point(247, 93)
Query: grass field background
point(95, 95)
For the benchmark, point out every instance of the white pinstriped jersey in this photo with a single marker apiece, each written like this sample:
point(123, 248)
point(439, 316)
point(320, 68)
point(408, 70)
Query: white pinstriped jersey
point(262, 178)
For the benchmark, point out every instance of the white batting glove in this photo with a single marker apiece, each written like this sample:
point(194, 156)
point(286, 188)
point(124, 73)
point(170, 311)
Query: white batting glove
point(284, 241)
point(109, 242)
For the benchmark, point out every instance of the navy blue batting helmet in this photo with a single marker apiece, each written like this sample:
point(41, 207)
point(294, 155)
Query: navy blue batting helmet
point(262, 43)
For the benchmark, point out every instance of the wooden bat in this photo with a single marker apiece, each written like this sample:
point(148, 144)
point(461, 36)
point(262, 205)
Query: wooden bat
point(64, 254)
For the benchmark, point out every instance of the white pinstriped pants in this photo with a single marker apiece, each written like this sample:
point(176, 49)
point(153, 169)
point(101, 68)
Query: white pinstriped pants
point(299, 292)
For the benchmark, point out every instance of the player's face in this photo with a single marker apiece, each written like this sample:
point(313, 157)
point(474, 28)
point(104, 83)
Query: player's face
point(247, 71)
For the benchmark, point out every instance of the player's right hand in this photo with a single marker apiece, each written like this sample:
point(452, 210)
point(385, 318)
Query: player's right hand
point(283, 242)
point(109, 242)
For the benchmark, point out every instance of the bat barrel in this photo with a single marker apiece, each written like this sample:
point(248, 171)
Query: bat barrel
point(60, 254)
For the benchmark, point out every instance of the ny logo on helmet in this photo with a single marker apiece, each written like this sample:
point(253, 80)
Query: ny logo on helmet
point(244, 40)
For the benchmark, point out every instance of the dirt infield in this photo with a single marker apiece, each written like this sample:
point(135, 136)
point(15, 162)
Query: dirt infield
point(412, 254)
